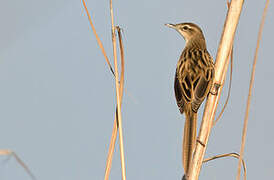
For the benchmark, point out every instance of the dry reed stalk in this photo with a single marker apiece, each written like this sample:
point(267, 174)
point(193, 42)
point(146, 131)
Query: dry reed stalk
point(221, 66)
point(6, 152)
point(115, 125)
point(250, 89)
point(118, 96)
point(114, 130)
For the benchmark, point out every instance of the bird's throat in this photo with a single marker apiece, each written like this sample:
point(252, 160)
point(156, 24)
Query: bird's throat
point(198, 43)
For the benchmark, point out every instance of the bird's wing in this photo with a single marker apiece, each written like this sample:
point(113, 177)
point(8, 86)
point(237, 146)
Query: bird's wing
point(178, 94)
point(193, 79)
point(203, 81)
point(183, 85)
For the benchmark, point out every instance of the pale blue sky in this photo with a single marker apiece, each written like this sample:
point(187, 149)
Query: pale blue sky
point(57, 95)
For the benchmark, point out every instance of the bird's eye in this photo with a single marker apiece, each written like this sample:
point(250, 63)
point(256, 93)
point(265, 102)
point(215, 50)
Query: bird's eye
point(185, 28)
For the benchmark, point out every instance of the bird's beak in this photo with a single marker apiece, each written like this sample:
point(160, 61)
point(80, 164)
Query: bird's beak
point(173, 26)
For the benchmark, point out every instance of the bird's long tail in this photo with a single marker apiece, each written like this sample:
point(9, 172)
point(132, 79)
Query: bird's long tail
point(189, 139)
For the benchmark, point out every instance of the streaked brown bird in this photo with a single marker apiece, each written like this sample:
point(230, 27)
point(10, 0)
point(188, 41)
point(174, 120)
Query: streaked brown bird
point(193, 80)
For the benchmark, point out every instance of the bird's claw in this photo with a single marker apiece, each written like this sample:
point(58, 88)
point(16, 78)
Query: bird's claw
point(215, 88)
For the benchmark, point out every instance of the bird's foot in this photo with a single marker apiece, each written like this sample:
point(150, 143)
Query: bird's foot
point(215, 88)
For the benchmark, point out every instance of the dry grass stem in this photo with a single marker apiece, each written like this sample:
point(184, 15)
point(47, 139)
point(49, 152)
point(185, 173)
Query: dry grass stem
point(115, 124)
point(235, 155)
point(119, 91)
point(229, 88)
point(221, 66)
point(97, 37)
point(250, 90)
point(118, 96)
point(13, 154)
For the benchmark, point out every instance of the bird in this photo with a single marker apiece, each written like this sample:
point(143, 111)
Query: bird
point(192, 83)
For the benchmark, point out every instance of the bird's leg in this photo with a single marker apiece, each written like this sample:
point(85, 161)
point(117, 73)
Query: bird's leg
point(214, 89)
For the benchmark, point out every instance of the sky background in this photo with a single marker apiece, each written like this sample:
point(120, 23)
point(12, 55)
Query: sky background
point(57, 95)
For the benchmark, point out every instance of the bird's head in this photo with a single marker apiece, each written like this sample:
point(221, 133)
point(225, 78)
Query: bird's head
point(189, 31)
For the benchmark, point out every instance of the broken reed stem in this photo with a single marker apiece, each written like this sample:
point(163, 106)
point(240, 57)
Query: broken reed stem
point(250, 90)
point(115, 124)
point(121, 47)
point(118, 95)
point(221, 66)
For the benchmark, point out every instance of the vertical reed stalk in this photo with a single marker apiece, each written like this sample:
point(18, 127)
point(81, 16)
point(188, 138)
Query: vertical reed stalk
point(250, 90)
point(118, 95)
point(221, 66)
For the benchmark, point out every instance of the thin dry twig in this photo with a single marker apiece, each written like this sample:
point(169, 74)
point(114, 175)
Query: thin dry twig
point(97, 37)
point(6, 152)
point(235, 155)
point(221, 66)
point(118, 96)
point(229, 88)
point(250, 89)
point(115, 124)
